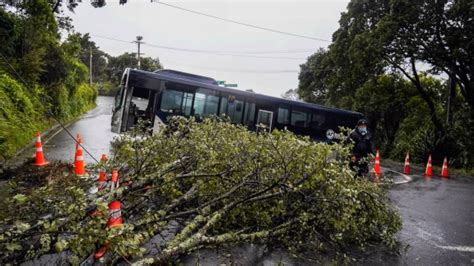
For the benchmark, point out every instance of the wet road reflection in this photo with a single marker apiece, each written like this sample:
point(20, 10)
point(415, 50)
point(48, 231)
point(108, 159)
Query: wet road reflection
point(94, 128)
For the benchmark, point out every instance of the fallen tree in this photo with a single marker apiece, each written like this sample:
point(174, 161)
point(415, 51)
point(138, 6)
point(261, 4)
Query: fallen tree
point(220, 182)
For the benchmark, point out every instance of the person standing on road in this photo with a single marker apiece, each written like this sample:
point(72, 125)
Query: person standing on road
point(362, 140)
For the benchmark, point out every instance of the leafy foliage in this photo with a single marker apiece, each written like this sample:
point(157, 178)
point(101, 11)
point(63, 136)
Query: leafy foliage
point(107, 70)
point(118, 64)
point(221, 182)
point(39, 76)
point(20, 115)
point(378, 41)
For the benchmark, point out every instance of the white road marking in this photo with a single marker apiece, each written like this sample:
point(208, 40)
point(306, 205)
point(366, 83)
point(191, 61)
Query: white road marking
point(458, 248)
point(434, 238)
point(406, 177)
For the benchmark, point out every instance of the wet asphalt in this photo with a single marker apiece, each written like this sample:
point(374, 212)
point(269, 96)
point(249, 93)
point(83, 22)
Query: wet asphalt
point(438, 214)
point(438, 220)
point(94, 129)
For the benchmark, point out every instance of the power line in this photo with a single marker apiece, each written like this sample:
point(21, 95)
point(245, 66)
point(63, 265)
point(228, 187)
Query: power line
point(242, 23)
point(217, 53)
point(212, 51)
point(271, 52)
point(220, 53)
point(110, 38)
point(256, 71)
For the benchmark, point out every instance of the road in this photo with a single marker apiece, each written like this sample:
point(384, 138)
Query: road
point(438, 214)
point(94, 128)
point(438, 220)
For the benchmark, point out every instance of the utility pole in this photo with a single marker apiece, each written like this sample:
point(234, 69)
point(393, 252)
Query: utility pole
point(138, 42)
point(90, 65)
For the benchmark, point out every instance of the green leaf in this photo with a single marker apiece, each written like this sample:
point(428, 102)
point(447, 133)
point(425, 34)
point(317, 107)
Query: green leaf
point(61, 245)
point(21, 226)
point(20, 198)
point(12, 246)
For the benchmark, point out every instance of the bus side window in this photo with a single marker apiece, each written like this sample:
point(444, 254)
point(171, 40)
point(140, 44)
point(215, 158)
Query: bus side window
point(171, 101)
point(283, 116)
point(187, 103)
point(235, 111)
point(299, 119)
point(205, 104)
point(249, 118)
point(317, 121)
point(223, 108)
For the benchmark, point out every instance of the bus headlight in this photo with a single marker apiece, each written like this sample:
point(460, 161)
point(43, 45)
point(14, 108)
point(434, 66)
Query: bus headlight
point(330, 134)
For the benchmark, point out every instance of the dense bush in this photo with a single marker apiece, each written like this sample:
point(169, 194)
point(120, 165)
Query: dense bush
point(40, 77)
point(21, 114)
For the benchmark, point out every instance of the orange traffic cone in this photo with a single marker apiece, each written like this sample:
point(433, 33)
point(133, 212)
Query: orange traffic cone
point(102, 181)
point(101, 252)
point(429, 168)
point(79, 165)
point(102, 174)
point(377, 171)
point(444, 170)
point(406, 167)
point(115, 215)
point(40, 161)
point(103, 159)
point(114, 180)
point(78, 140)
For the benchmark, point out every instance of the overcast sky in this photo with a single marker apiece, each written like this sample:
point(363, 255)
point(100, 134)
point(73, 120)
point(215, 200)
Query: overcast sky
point(166, 26)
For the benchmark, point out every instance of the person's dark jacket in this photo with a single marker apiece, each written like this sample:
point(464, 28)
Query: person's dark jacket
point(362, 143)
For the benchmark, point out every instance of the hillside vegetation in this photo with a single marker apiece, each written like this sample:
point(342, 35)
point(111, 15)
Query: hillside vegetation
point(41, 78)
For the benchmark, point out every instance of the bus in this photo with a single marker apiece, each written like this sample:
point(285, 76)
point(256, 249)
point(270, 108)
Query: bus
point(155, 96)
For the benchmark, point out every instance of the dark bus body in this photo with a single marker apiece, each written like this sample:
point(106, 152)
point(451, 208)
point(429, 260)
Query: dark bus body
point(155, 96)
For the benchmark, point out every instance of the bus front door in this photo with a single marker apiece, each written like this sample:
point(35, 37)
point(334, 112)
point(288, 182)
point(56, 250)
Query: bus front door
point(139, 105)
point(264, 120)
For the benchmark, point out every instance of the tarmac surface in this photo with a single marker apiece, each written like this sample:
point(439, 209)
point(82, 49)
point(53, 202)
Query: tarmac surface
point(438, 220)
point(94, 128)
point(438, 214)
